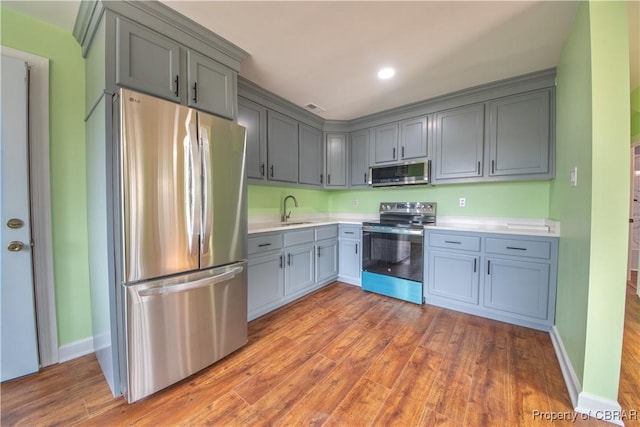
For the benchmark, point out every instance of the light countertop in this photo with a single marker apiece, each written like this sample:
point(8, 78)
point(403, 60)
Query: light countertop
point(516, 226)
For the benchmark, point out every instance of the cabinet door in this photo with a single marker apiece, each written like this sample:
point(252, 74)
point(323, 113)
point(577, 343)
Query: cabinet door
point(265, 281)
point(254, 117)
point(459, 142)
point(310, 155)
point(327, 260)
point(385, 143)
point(282, 147)
point(336, 160)
point(299, 271)
point(519, 135)
point(454, 276)
point(349, 256)
point(517, 287)
point(147, 61)
point(211, 86)
point(413, 138)
point(359, 160)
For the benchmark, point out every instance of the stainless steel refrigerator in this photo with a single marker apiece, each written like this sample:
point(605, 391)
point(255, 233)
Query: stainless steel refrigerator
point(184, 225)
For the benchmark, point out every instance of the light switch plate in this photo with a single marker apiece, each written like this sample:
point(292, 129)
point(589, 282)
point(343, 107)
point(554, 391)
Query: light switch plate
point(573, 176)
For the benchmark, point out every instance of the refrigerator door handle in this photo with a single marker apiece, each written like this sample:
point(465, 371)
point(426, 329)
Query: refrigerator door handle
point(191, 184)
point(201, 283)
point(206, 171)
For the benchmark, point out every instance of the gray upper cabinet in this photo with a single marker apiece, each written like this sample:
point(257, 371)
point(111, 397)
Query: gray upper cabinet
point(336, 160)
point(413, 138)
point(385, 143)
point(459, 140)
point(150, 62)
point(147, 61)
point(359, 159)
point(254, 117)
point(309, 155)
point(519, 135)
point(282, 147)
point(210, 85)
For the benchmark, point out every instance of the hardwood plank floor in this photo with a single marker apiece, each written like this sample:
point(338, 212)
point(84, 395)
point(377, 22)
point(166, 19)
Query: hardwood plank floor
point(338, 357)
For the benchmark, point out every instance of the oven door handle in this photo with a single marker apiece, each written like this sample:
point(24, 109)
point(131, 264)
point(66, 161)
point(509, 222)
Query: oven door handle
point(392, 230)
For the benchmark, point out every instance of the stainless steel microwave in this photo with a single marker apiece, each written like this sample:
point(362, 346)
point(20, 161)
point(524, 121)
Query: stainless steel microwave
point(407, 173)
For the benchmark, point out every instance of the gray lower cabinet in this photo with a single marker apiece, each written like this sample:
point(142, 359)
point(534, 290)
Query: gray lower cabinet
point(150, 62)
point(336, 167)
point(359, 158)
point(511, 278)
point(282, 147)
point(283, 266)
point(309, 155)
point(519, 135)
point(254, 118)
point(459, 143)
point(350, 254)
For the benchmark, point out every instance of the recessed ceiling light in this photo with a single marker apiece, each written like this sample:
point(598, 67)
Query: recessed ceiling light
point(386, 73)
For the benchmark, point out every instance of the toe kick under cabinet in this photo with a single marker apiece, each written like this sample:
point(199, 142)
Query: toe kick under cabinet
point(506, 277)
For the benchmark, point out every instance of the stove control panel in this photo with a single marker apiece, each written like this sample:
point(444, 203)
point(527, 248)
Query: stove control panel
point(408, 207)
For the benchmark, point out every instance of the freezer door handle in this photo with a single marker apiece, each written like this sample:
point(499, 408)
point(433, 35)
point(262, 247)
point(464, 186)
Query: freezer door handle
point(207, 281)
point(206, 172)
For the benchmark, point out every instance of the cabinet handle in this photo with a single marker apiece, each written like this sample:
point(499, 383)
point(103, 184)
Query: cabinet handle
point(356, 249)
point(394, 154)
point(262, 245)
point(479, 168)
point(349, 232)
point(289, 259)
point(475, 265)
point(516, 248)
point(429, 166)
point(271, 171)
point(281, 261)
point(403, 151)
point(177, 82)
point(488, 266)
point(195, 93)
point(328, 179)
point(262, 169)
point(453, 242)
point(321, 177)
point(365, 177)
point(493, 166)
point(318, 251)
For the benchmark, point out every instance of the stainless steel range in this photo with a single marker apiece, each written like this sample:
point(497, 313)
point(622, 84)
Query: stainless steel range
point(392, 255)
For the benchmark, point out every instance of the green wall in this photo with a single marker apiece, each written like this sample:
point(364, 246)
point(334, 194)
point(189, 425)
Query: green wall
point(66, 138)
point(635, 113)
point(267, 200)
point(593, 134)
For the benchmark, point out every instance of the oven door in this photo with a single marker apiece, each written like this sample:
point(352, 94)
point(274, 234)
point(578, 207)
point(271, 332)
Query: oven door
point(393, 251)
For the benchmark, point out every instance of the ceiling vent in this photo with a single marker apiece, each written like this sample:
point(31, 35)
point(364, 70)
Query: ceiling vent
point(314, 107)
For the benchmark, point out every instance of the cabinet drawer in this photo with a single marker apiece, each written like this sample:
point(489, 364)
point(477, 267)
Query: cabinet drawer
point(350, 232)
point(327, 232)
point(518, 247)
point(453, 241)
point(299, 237)
point(264, 243)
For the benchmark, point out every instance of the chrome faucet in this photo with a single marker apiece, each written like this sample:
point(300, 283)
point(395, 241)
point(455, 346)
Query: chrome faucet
point(285, 216)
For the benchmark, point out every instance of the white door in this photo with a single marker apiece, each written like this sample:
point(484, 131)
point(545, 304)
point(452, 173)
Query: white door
point(18, 340)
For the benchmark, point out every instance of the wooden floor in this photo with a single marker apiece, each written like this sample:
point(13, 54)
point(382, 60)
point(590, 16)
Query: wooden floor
point(339, 357)
point(629, 392)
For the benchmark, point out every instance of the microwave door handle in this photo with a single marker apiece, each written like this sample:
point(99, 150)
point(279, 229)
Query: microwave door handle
point(206, 176)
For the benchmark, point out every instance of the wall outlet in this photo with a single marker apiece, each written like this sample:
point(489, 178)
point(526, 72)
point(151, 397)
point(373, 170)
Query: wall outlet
point(354, 202)
point(462, 202)
point(573, 176)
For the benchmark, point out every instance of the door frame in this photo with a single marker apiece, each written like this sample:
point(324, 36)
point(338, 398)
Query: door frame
point(40, 198)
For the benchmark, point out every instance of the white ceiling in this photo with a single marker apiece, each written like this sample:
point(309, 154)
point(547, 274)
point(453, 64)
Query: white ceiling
point(328, 52)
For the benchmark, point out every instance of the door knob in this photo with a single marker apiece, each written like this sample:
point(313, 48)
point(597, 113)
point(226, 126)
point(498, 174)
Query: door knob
point(15, 223)
point(15, 246)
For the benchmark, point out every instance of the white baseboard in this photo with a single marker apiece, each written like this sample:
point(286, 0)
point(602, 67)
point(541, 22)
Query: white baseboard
point(583, 403)
point(75, 349)
point(570, 378)
point(600, 408)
